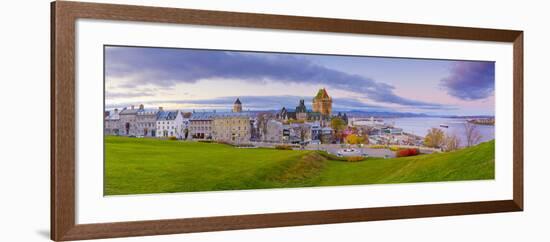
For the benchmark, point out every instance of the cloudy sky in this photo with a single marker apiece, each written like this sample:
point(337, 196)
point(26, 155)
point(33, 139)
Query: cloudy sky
point(211, 79)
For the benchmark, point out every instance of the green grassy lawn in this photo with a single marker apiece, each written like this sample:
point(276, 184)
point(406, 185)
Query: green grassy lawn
point(138, 166)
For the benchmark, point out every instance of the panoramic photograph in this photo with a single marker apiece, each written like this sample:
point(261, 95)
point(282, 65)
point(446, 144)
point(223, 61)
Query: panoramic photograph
point(197, 120)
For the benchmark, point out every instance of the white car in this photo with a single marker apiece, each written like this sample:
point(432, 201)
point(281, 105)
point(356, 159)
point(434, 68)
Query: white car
point(348, 152)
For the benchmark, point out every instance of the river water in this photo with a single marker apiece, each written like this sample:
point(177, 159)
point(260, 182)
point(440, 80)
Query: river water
point(420, 126)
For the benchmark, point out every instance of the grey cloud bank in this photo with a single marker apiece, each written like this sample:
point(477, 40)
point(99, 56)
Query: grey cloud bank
point(471, 80)
point(166, 67)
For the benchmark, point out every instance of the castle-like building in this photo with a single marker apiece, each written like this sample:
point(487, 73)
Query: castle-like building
point(237, 106)
point(322, 103)
point(322, 109)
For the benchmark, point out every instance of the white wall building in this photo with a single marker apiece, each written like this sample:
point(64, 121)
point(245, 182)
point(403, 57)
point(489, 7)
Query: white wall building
point(170, 123)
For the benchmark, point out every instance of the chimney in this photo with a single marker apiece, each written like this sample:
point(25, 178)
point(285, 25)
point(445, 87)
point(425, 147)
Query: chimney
point(116, 110)
point(141, 106)
point(160, 108)
point(132, 107)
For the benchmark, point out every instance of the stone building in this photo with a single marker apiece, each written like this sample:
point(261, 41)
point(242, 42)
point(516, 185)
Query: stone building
point(237, 106)
point(300, 132)
point(302, 114)
point(301, 111)
point(128, 121)
point(285, 114)
point(231, 128)
point(146, 121)
point(200, 125)
point(322, 103)
point(112, 123)
point(273, 132)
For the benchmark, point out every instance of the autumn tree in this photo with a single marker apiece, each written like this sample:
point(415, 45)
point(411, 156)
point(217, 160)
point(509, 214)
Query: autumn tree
point(434, 138)
point(471, 133)
point(338, 125)
point(354, 139)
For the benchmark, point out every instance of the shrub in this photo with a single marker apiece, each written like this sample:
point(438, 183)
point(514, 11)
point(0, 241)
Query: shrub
point(355, 158)
point(283, 147)
point(407, 152)
point(395, 148)
point(377, 146)
point(172, 138)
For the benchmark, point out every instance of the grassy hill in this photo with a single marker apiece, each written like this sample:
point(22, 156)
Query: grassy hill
point(138, 166)
point(474, 163)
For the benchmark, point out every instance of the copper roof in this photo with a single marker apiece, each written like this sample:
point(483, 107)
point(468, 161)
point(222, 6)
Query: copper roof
point(322, 93)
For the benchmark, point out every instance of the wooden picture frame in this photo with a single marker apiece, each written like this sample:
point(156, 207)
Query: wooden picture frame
point(63, 18)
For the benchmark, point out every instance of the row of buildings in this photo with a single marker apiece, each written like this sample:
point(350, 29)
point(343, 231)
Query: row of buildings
point(299, 125)
point(285, 126)
point(145, 122)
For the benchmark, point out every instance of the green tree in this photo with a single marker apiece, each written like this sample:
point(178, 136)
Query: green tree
point(434, 138)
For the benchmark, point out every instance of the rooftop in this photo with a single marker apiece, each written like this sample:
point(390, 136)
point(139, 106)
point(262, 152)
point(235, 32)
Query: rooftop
point(322, 93)
point(167, 115)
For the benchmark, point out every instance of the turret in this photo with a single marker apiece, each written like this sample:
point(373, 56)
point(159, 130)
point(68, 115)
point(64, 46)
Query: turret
point(237, 106)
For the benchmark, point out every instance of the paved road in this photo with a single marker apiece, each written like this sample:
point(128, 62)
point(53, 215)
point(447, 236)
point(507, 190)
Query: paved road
point(333, 149)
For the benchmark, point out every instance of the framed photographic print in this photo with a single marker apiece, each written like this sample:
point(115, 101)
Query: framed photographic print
point(174, 120)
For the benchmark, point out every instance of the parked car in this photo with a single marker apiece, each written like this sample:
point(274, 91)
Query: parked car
point(348, 152)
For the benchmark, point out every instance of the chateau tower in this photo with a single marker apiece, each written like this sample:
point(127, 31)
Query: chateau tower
point(322, 102)
point(237, 106)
